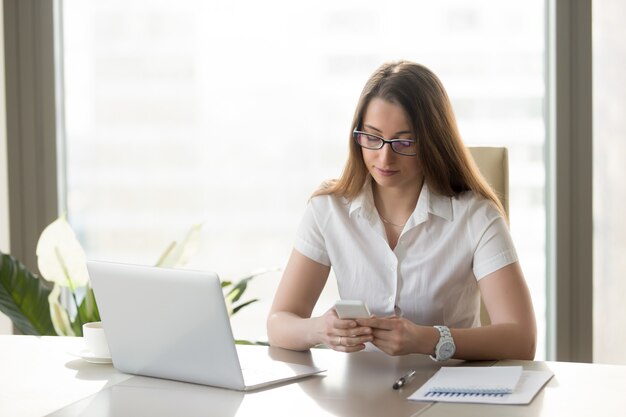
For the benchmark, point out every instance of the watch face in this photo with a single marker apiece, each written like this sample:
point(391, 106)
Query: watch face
point(446, 350)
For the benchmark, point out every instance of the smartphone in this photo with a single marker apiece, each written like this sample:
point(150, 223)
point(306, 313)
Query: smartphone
point(352, 309)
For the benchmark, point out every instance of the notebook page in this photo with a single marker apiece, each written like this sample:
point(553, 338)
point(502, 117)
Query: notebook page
point(477, 380)
point(529, 384)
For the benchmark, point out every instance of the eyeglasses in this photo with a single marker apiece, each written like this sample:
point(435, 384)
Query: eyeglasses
point(407, 147)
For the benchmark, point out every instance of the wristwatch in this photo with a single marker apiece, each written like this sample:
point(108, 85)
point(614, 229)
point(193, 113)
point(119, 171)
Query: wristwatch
point(445, 347)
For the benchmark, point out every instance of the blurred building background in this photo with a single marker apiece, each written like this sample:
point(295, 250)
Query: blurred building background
point(230, 114)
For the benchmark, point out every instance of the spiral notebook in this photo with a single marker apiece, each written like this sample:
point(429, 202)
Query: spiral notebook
point(491, 385)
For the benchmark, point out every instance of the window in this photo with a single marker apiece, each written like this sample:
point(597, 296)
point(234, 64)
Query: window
point(230, 114)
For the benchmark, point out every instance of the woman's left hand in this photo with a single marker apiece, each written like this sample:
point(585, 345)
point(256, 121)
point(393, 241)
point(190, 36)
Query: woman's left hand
point(394, 335)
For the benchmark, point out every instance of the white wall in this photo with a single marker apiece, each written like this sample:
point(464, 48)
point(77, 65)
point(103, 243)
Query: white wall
point(609, 152)
point(5, 323)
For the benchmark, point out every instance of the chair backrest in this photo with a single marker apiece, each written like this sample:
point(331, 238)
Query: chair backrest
point(493, 163)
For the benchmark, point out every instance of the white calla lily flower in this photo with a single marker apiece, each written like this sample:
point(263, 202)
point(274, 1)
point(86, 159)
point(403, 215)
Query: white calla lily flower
point(58, 314)
point(60, 257)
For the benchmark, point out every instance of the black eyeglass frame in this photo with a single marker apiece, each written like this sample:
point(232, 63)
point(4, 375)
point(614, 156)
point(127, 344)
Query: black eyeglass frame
point(391, 142)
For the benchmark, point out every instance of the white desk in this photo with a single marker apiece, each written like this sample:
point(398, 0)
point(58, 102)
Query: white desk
point(39, 376)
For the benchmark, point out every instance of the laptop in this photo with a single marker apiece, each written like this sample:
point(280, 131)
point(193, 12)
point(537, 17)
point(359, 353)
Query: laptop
point(173, 324)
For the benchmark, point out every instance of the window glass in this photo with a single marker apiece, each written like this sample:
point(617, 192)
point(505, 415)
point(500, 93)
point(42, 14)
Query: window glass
point(231, 113)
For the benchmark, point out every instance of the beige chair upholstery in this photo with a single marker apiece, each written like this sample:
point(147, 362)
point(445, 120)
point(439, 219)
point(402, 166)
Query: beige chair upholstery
point(493, 163)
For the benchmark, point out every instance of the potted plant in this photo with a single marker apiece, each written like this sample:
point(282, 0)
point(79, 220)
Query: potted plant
point(33, 302)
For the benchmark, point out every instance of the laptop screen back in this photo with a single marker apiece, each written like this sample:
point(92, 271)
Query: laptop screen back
point(167, 323)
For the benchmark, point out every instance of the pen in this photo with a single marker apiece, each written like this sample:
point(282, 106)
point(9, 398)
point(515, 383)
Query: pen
point(403, 380)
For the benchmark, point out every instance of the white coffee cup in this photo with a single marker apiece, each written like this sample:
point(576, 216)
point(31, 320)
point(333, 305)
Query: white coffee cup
point(95, 339)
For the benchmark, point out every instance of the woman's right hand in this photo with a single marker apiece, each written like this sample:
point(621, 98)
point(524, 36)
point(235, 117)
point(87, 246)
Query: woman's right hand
point(344, 335)
point(290, 324)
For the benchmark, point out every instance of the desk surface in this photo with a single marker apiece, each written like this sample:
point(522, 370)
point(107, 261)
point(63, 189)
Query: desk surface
point(40, 376)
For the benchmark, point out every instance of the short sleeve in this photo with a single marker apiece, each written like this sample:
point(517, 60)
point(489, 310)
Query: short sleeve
point(494, 248)
point(309, 239)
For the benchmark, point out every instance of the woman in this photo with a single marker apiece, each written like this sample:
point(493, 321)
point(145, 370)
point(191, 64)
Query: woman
point(412, 229)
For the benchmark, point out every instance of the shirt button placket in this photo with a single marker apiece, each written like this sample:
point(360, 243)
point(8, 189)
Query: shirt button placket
point(393, 268)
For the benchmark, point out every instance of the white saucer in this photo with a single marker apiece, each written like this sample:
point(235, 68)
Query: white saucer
point(90, 357)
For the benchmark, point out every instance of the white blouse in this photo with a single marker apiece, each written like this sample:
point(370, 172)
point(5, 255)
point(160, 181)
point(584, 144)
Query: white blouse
point(430, 278)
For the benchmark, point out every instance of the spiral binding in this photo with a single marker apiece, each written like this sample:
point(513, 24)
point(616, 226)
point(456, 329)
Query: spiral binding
point(449, 394)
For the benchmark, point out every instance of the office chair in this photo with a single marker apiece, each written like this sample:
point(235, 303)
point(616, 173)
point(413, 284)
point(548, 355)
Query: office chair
point(493, 163)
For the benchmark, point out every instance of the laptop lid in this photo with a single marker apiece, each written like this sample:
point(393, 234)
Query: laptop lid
point(171, 323)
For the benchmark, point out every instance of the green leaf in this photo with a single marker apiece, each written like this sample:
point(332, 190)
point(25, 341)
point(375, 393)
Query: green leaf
point(88, 308)
point(88, 311)
point(242, 305)
point(249, 342)
point(77, 326)
point(24, 298)
point(235, 294)
point(237, 291)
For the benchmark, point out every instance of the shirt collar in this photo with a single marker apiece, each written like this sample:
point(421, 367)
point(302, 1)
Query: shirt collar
point(428, 202)
point(364, 200)
point(439, 205)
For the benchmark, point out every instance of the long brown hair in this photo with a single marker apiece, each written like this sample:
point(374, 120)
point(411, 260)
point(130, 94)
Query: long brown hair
point(447, 164)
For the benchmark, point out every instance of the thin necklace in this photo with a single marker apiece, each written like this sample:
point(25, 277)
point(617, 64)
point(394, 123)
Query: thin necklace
point(388, 222)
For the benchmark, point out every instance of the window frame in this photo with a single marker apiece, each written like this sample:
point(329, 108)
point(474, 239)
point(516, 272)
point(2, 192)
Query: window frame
point(569, 198)
point(32, 123)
